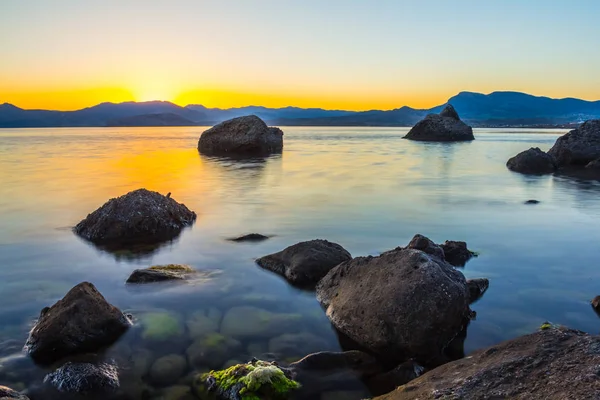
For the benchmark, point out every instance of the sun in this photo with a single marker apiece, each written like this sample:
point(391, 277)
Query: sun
point(154, 91)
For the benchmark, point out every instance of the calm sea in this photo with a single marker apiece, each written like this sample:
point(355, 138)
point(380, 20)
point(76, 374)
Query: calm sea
point(364, 188)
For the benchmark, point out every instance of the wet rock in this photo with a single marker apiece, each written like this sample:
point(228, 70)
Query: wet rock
point(254, 322)
point(324, 371)
point(177, 392)
point(212, 350)
point(254, 380)
point(84, 378)
point(578, 147)
point(83, 321)
point(8, 393)
point(243, 135)
point(411, 304)
point(477, 288)
point(554, 364)
point(533, 161)
point(443, 127)
point(159, 273)
point(138, 217)
point(596, 303)
point(456, 252)
point(161, 326)
point(140, 362)
point(203, 322)
point(305, 263)
point(423, 243)
point(251, 237)
point(390, 380)
point(594, 165)
point(167, 370)
point(296, 345)
point(532, 201)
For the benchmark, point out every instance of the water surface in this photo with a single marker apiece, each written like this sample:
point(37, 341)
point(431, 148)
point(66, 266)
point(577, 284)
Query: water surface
point(364, 188)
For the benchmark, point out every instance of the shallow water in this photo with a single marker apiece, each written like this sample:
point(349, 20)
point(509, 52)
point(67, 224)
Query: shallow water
point(364, 188)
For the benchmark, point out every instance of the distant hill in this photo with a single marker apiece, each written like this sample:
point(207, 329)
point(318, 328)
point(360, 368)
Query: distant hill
point(494, 109)
point(161, 119)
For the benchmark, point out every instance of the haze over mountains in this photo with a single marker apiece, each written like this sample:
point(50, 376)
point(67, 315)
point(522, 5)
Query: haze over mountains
point(494, 109)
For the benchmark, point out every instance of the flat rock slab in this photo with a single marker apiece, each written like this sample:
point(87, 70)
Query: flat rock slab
point(160, 273)
point(251, 237)
point(554, 364)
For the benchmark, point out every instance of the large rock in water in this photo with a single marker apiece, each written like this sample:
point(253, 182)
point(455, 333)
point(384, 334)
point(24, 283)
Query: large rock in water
point(578, 147)
point(532, 161)
point(443, 127)
point(247, 135)
point(403, 304)
point(83, 321)
point(8, 393)
point(553, 364)
point(305, 263)
point(84, 378)
point(139, 217)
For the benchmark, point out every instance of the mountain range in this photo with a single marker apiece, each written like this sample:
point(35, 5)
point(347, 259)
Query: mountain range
point(494, 109)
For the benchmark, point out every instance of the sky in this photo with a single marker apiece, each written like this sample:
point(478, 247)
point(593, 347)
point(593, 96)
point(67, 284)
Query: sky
point(334, 54)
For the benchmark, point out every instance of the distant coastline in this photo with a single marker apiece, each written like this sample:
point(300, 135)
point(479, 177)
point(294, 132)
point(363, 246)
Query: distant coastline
point(494, 110)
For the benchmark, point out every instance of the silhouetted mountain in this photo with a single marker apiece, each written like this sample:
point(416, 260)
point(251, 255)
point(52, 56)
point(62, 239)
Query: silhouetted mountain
point(494, 109)
point(162, 119)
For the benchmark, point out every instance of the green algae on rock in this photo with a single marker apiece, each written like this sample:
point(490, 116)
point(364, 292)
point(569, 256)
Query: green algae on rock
point(160, 326)
point(256, 380)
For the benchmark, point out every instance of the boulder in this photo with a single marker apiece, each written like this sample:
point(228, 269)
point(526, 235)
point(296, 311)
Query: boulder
point(8, 393)
point(305, 263)
point(578, 147)
point(533, 161)
point(443, 127)
point(138, 217)
point(553, 364)
point(423, 243)
point(160, 273)
point(84, 378)
point(477, 288)
point(411, 304)
point(456, 252)
point(251, 237)
point(247, 135)
point(167, 370)
point(83, 321)
point(252, 322)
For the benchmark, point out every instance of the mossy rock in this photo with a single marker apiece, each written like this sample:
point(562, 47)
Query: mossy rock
point(256, 380)
point(161, 326)
point(173, 268)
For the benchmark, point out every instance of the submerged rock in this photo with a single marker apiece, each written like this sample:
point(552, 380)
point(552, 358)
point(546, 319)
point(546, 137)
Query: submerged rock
point(251, 237)
point(138, 217)
point(305, 263)
point(84, 378)
point(456, 252)
point(553, 364)
point(8, 393)
point(411, 304)
point(159, 273)
point(296, 345)
point(83, 321)
point(532, 201)
point(578, 147)
point(202, 322)
point(254, 380)
point(212, 350)
point(533, 161)
point(167, 370)
point(242, 135)
point(253, 322)
point(443, 127)
point(161, 326)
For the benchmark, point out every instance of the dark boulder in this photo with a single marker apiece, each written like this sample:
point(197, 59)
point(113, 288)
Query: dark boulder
point(596, 303)
point(533, 161)
point(477, 288)
point(84, 378)
point(420, 242)
point(159, 273)
point(83, 321)
point(390, 380)
point(594, 165)
point(247, 135)
point(578, 147)
point(138, 217)
point(411, 304)
point(443, 127)
point(251, 237)
point(8, 393)
point(552, 364)
point(305, 263)
point(532, 201)
point(456, 252)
